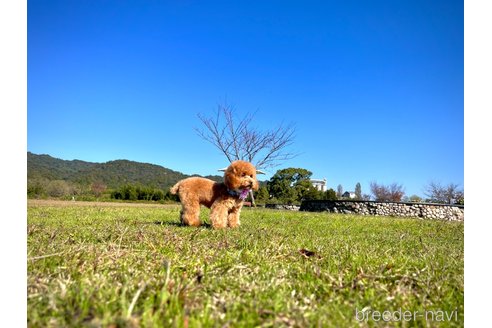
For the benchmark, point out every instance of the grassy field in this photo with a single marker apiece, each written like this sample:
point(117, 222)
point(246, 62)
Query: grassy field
point(94, 265)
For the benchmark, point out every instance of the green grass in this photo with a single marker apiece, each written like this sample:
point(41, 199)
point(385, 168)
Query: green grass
point(134, 266)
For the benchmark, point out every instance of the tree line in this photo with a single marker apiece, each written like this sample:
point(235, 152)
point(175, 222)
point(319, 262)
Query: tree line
point(293, 185)
point(286, 186)
point(62, 189)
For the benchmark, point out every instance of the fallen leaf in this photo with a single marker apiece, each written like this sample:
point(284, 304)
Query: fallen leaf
point(306, 253)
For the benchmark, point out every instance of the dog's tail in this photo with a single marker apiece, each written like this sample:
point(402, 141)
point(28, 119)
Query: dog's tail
point(174, 189)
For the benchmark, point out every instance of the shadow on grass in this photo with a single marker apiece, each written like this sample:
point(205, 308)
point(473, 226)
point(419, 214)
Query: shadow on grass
point(205, 225)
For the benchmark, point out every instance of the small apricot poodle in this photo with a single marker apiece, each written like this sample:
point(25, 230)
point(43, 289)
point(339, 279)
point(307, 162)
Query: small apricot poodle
point(225, 199)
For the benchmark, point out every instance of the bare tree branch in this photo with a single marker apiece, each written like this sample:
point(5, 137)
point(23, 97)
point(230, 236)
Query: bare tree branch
point(391, 193)
point(443, 194)
point(238, 139)
point(215, 134)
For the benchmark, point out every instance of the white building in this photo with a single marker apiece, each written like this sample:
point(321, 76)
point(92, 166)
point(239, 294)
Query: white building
point(319, 184)
point(349, 194)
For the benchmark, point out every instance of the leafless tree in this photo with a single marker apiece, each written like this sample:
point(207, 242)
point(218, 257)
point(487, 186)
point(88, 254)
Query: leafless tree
point(59, 188)
point(238, 139)
point(98, 188)
point(391, 193)
point(339, 191)
point(444, 194)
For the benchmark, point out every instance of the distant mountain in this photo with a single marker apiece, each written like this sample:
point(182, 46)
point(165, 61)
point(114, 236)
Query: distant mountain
point(113, 173)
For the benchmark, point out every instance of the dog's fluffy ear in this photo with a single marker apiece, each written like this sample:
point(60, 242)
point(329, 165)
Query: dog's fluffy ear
point(231, 179)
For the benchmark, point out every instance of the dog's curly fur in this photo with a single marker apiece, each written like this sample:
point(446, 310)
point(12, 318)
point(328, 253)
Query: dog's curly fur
point(223, 198)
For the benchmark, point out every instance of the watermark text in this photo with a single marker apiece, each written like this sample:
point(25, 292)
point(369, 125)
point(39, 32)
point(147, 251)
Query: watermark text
point(368, 314)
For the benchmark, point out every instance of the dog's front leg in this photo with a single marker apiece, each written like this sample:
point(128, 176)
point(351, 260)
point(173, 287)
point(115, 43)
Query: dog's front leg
point(233, 218)
point(218, 215)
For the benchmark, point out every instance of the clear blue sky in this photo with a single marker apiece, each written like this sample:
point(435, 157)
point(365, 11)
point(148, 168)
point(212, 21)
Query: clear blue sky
point(374, 88)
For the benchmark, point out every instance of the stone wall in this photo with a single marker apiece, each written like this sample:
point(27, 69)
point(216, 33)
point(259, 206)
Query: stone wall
point(419, 210)
point(283, 207)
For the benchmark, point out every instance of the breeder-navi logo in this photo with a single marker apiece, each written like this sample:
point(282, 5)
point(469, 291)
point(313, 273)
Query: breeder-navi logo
point(367, 314)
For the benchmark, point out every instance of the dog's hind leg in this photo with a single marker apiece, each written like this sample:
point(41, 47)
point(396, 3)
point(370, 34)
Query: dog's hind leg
point(190, 215)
